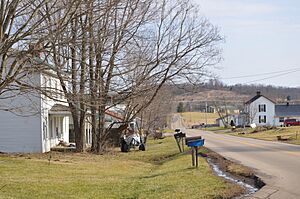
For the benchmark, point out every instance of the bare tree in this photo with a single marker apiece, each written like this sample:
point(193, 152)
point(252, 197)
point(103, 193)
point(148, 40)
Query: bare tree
point(129, 48)
point(155, 116)
point(24, 34)
point(179, 49)
point(19, 27)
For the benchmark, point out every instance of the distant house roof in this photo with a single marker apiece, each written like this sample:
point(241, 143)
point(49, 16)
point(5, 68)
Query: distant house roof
point(292, 110)
point(114, 114)
point(258, 95)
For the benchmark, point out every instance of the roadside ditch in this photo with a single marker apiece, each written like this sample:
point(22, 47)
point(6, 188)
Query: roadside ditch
point(233, 172)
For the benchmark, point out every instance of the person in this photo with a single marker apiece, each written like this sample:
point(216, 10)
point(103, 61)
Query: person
point(232, 125)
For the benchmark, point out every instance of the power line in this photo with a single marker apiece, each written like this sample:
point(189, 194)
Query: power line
point(271, 77)
point(263, 74)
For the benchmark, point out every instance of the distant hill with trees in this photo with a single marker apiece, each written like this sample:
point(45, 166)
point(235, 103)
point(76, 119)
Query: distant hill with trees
point(214, 92)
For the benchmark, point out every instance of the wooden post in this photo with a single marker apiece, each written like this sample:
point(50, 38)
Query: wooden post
point(182, 143)
point(178, 143)
point(193, 157)
point(196, 154)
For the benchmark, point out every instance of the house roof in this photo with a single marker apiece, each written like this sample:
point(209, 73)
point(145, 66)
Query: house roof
point(59, 109)
point(114, 114)
point(292, 110)
point(256, 97)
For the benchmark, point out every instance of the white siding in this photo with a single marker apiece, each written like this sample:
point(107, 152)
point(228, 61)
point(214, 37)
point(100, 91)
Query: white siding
point(20, 134)
point(20, 131)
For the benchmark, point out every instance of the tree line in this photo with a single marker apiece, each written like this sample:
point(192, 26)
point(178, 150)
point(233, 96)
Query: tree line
point(276, 93)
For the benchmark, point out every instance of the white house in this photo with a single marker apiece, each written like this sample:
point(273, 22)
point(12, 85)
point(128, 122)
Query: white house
point(261, 110)
point(35, 120)
point(30, 121)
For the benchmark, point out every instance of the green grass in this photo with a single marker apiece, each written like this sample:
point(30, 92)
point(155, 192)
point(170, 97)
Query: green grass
point(291, 133)
point(159, 172)
point(168, 131)
point(217, 129)
point(191, 118)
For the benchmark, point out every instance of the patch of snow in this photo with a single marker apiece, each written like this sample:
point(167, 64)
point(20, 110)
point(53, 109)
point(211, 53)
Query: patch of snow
point(222, 174)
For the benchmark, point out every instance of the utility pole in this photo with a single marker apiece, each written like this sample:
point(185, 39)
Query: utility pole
point(205, 114)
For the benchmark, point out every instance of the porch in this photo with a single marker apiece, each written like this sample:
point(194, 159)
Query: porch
point(57, 128)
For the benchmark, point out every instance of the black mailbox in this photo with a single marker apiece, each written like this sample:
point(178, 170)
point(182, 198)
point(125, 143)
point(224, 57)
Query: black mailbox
point(179, 136)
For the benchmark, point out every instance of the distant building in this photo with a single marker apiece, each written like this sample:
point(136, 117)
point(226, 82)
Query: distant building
point(265, 112)
point(239, 120)
point(260, 110)
point(286, 111)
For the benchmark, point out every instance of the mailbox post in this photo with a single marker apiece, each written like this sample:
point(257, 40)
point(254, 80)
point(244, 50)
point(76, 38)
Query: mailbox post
point(194, 143)
point(179, 136)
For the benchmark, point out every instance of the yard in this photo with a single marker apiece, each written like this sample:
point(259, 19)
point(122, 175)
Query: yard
point(159, 172)
point(192, 118)
point(289, 134)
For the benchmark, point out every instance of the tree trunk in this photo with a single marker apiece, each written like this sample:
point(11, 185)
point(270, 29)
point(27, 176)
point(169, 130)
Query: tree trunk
point(101, 129)
point(78, 130)
point(94, 129)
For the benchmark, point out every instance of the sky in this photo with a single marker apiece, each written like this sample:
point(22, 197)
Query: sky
point(262, 40)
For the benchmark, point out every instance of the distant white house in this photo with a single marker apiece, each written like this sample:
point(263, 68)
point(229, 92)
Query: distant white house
point(260, 110)
point(265, 112)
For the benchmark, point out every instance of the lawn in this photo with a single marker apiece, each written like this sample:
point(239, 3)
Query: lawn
point(159, 172)
point(292, 134)
point(191, 118)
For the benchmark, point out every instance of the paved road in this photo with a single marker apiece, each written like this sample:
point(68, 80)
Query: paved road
point(278, 164)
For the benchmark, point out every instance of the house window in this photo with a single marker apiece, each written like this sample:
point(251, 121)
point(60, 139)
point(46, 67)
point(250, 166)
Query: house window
point(49, 87)
point(90, 137)
point(281, 119)
point(61, 94)
point(56, 89)
point(262, 108)
point(45, 129)
point(262, 119)
point(44, 86)
point(86, 136)
point(45, 81)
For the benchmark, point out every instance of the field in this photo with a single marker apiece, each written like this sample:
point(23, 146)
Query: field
point(159, 172)
point(191, 118)
point(289, 134)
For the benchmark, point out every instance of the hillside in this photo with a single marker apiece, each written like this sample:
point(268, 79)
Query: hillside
point(213, 95)
point(195, 98)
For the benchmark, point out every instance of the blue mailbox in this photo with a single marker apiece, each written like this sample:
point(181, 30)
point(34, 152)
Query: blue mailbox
point(195, 143)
